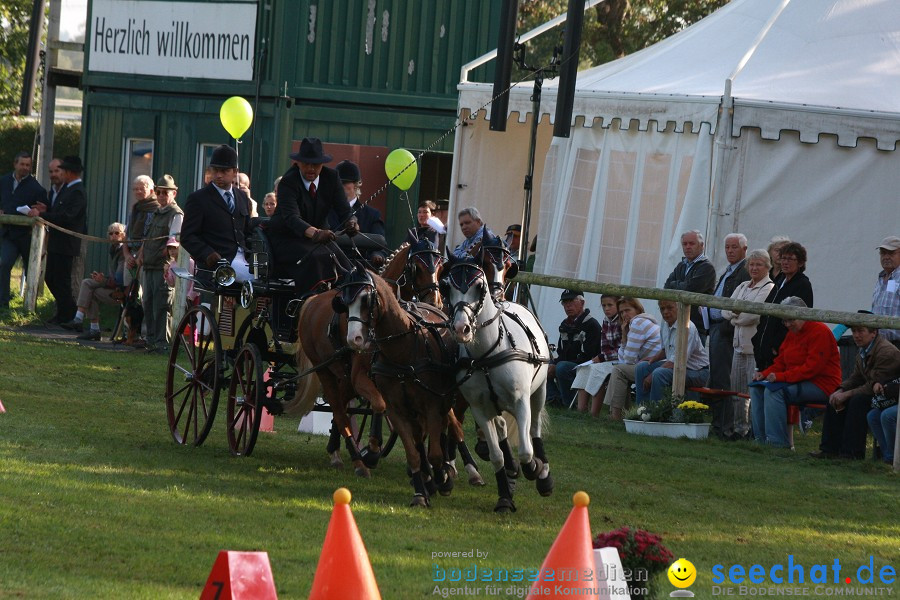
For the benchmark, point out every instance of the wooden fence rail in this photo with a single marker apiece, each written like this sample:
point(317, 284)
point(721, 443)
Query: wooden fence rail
point(35, 257)
point(686, 299)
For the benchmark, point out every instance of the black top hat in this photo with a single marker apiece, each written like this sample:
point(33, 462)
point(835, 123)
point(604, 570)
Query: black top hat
point(71, 163)
point(348, 171)
point(570, 295)
point(224, 157)
point(311, 152)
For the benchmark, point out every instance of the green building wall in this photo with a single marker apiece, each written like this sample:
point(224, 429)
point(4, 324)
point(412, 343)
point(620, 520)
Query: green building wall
point(345, 80)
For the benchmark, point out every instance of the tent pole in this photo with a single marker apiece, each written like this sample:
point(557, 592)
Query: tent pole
point(721, 145)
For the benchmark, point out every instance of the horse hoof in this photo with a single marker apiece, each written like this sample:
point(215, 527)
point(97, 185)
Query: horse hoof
point(474, 476)
point(336, 461)
point(514, 473)
point(545, 486)
point(362, 472)
point(421, 501)
point(481, 449)
point(370, 458)
point(533, 469)
point(445, 488)
point(451, 470)
point(504, 506)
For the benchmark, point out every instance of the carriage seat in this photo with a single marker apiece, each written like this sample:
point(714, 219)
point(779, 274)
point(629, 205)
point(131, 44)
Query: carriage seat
point(262, 263)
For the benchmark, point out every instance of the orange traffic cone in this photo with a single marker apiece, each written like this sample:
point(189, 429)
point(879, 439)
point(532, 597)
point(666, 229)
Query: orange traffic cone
point(571, 553)
point(344, 570)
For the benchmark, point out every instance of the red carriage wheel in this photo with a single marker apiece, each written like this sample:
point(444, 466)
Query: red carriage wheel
point(194, 376)
point(245, 401)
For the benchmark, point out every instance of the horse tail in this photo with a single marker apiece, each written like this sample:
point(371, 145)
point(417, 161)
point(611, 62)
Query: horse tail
point(307, 387)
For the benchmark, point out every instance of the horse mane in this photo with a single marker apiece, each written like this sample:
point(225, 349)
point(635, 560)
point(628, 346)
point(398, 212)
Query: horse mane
point(391, 257)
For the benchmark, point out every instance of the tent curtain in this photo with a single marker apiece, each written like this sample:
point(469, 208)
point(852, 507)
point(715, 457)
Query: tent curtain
point(614, 202)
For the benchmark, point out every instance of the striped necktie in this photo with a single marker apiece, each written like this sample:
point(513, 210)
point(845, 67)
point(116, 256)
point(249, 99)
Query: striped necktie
point(229, 199)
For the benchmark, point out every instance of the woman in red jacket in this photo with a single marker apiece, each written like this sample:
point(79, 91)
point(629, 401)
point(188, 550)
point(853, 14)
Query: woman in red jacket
point(807, 367)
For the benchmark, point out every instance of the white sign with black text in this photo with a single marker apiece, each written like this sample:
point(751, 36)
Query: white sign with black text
point(206, 40)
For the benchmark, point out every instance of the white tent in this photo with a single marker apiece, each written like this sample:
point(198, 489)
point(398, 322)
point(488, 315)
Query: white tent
point(767, 117)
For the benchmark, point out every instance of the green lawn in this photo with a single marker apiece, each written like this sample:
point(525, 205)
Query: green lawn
point(97, 501)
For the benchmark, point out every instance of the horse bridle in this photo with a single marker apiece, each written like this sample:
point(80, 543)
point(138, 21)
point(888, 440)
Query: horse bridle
point(358, 282)
point(428, 259)
point(462, 276)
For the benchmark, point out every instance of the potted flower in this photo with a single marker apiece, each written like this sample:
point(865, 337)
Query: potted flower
point(670, 417)
point(643, 557)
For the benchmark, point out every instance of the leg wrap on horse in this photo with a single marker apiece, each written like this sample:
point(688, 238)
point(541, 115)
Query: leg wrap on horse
point(538, 445)
point(350, 443)
point(464, 452)
point(509, 463)
point(371, 454)
point(334, 439)
point(545, 481)
point(505, 501)
point(421, 493)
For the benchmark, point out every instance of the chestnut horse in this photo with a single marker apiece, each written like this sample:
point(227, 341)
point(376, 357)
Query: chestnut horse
point(413, 366)
point(412, 271)
point(343, 375)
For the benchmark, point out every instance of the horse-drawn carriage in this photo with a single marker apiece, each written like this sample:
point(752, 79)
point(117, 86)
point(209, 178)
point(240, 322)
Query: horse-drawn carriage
point(405, 352)
point(242, 342)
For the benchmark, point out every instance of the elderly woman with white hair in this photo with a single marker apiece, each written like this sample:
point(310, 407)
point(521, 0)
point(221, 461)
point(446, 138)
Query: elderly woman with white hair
point(806, 369)
point(743, 362)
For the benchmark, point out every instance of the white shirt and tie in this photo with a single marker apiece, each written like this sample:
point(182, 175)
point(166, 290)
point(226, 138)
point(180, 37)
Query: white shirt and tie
point(239, 262)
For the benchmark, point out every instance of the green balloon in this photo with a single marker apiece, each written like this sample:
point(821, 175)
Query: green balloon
point(236, 115)
point(401, 168)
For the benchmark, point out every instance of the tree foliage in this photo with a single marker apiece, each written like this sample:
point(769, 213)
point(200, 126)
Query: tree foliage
point(15, 19)
point(613, 28)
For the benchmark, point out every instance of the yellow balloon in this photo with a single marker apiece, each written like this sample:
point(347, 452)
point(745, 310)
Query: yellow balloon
point(401, 168)
point(236, 115)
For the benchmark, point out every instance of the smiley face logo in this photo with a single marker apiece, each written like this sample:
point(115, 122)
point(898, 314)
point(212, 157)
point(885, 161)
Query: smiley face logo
point(682, 573)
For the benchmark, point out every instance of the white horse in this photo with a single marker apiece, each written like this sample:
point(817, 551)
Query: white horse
point(507, 370)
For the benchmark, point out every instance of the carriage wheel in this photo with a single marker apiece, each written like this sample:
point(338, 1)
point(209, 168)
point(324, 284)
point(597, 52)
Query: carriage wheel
point(194, 377)
point(392, 439)
point(245, 401)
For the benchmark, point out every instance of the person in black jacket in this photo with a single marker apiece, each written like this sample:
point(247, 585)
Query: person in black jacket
point(19, 188)
point(579, 341)
point(217, 217)
point(369, 218)
point(790, 282)
point(69, 211)
point(693, 274)
point(302, 243)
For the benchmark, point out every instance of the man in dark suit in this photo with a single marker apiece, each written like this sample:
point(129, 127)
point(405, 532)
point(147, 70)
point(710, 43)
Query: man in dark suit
point(67, 209)
point(217, 217)
point(298, 231)
point(369, 218)
point(19, 188)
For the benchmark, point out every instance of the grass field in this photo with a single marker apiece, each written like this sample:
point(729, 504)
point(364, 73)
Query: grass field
point(97, 501)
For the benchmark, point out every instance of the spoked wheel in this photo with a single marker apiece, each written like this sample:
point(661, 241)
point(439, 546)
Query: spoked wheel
point(245, 401)
point(194, 377)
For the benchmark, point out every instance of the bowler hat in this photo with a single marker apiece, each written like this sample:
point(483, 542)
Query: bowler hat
point(71, 163)
point(348, 171)
point(311, 152)
point(166, 182)
point(512, 228)
point(890, 243)
point(224, 157)
point(570, 295)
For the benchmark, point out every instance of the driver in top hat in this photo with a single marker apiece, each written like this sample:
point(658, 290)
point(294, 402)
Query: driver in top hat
point(298, 230)
point(217, 217)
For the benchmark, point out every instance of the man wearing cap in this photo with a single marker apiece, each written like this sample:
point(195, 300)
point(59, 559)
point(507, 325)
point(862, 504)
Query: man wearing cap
point(513, 239)
point(17, 189)
point(69, 211)
point(217, 217)
point(100, 287)
point(886, 296)
point(298, 231)
point(579, 341)
point(157, 295)
point(368, 217)
point(845, 427)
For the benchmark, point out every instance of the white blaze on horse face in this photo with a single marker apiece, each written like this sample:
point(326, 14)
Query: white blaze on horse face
point(463, 319)
point(356, 338)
